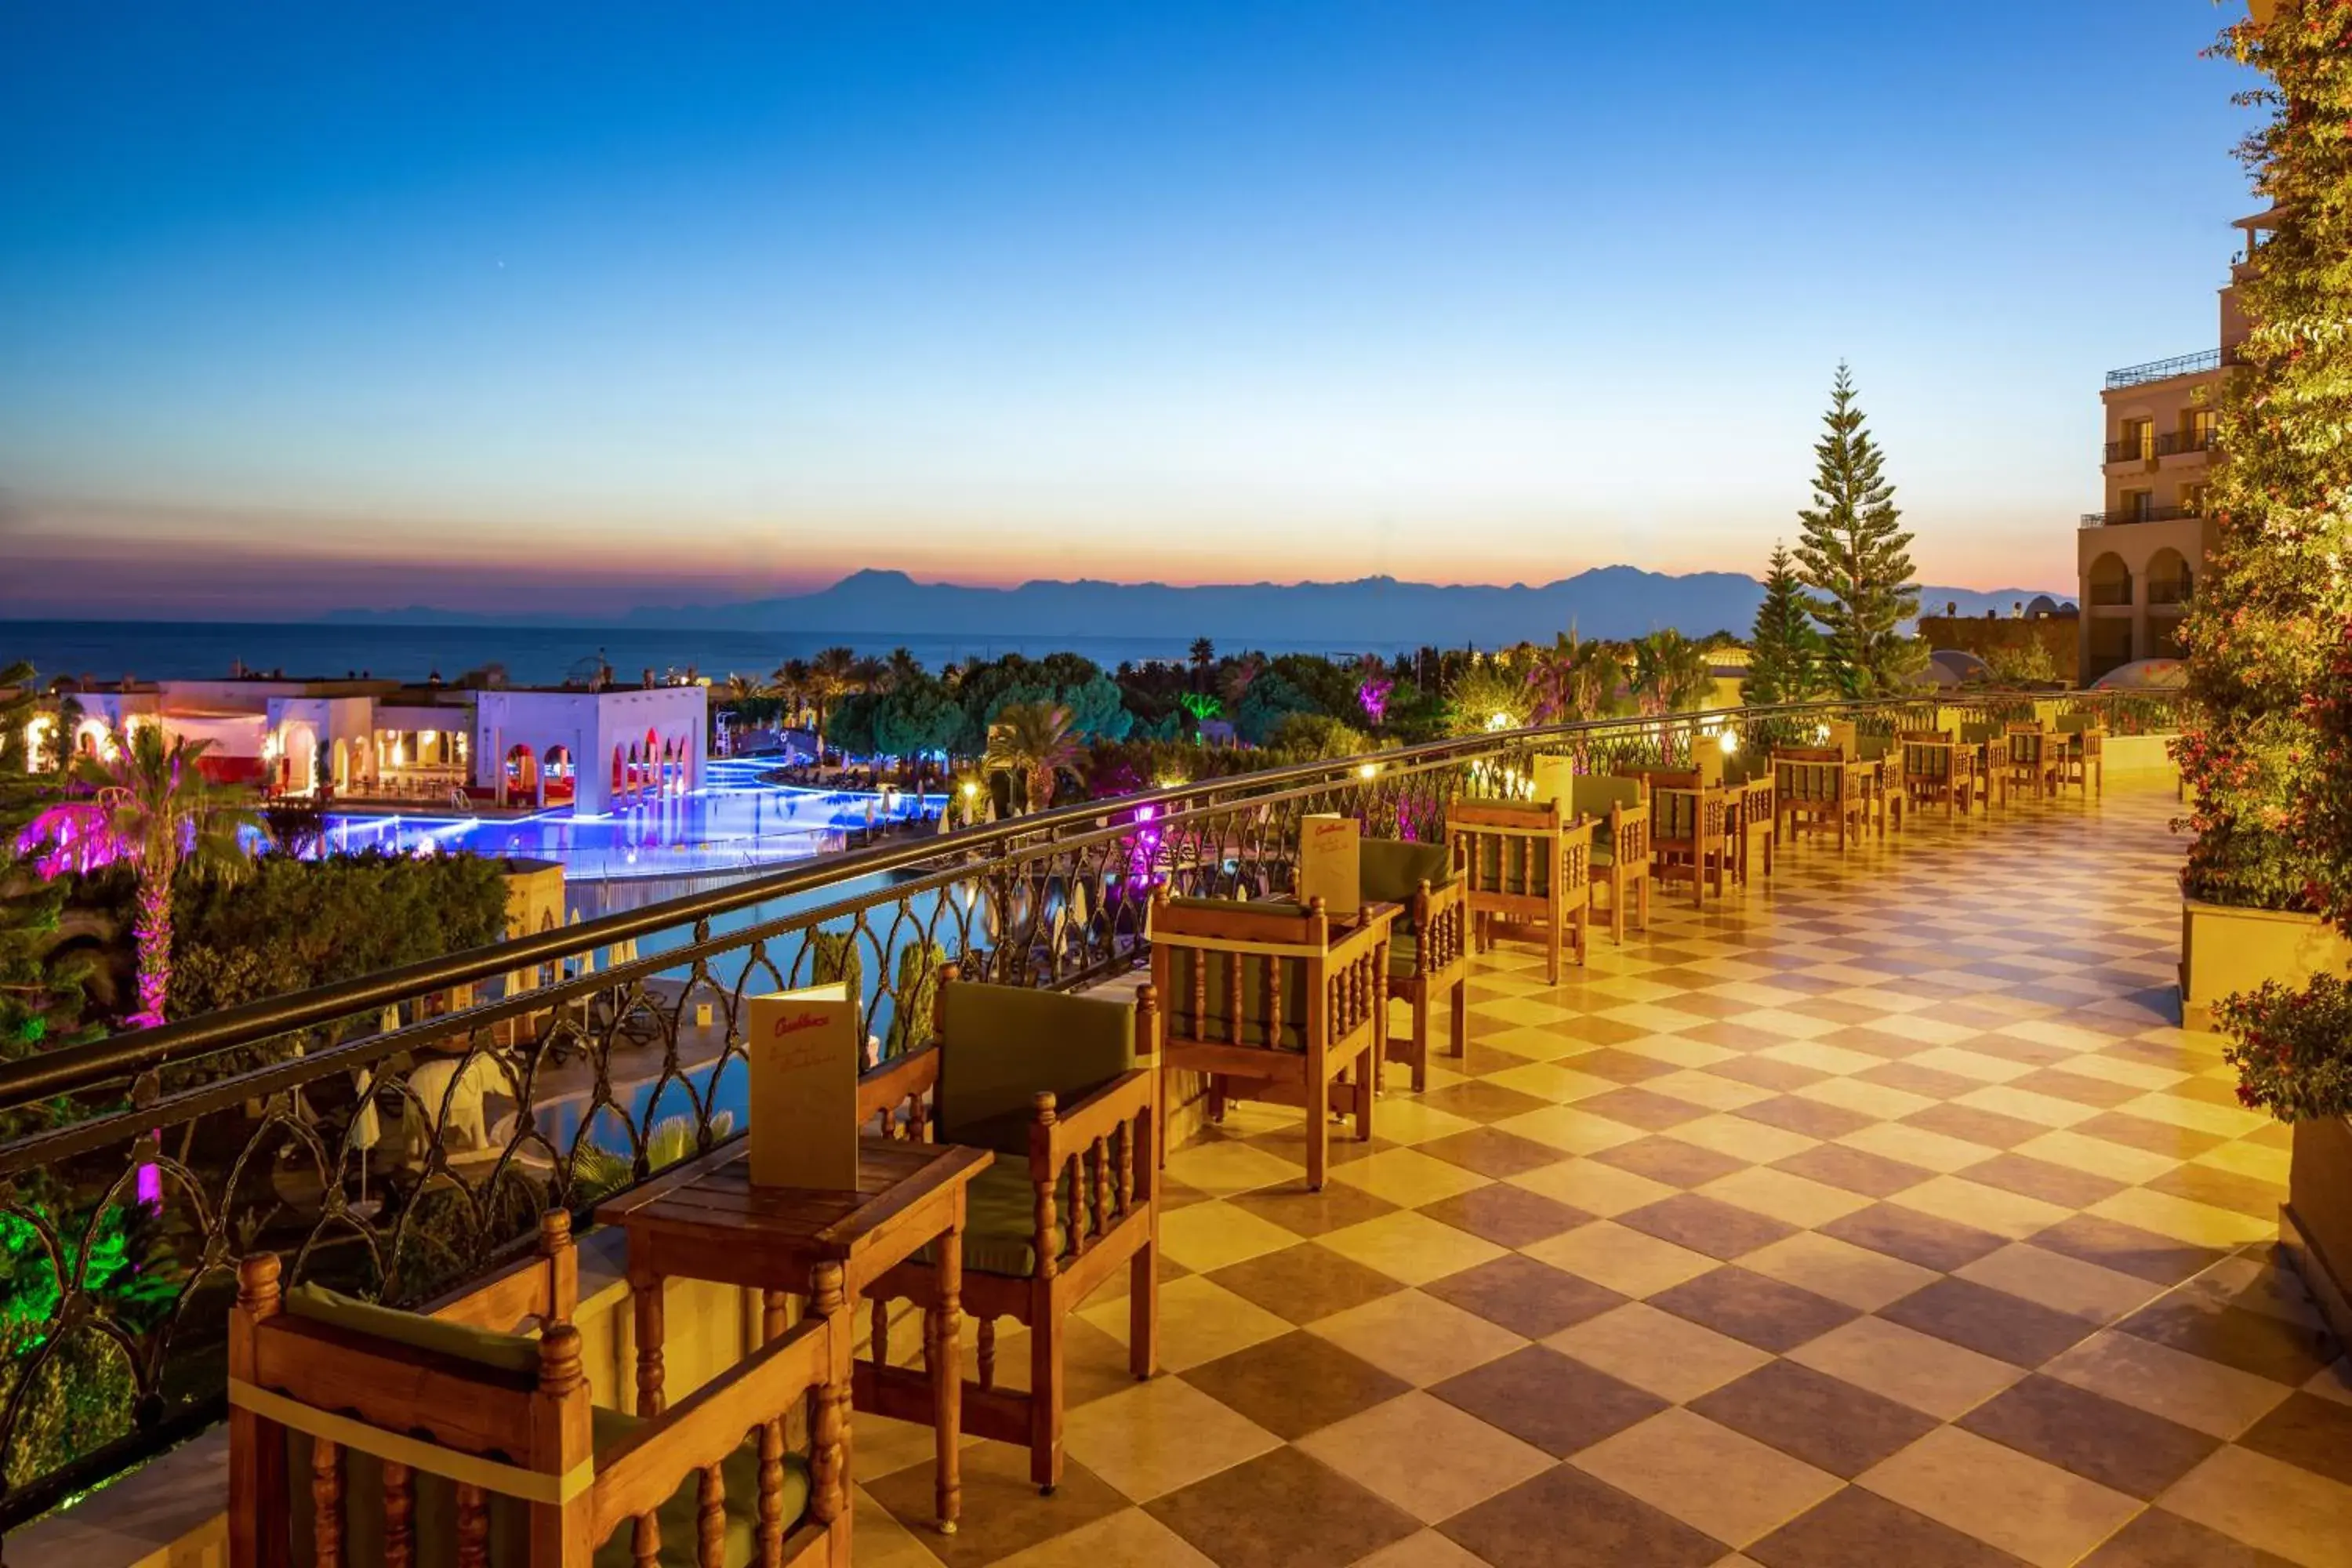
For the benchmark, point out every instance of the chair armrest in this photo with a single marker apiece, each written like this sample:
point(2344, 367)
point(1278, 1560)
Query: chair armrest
point(1076, 1127)
point(639, 1473)
point(898, 1080)
point(1359, 937)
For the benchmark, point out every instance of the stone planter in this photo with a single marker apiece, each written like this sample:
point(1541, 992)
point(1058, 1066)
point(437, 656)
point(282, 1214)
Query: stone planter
point(2315, 1223)
point(2225, 950)
point(2141, 756)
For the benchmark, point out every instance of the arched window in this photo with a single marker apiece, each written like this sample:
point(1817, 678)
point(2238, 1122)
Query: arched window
point(2169, 578)
point(2108, 582)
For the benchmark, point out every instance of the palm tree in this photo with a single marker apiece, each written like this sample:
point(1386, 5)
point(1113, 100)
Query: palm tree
point(830, 678)
point(142, 800)
point(1205, 659)
point(1572, 680)
point(1671, 673)
point(906, 670)
point(868, 674)
point(1033, 739)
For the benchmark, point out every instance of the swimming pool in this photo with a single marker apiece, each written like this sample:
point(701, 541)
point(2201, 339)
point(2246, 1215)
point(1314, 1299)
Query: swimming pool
point(733, 823)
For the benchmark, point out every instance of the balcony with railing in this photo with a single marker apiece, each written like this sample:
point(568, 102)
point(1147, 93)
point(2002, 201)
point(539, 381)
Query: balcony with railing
point(2166, 369)
point(1844, 1138)
point(2150, 445)
point(2125, 515)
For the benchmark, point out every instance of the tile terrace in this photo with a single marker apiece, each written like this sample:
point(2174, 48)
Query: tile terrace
point(1880, 1214)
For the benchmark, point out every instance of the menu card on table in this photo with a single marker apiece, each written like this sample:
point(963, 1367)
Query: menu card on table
point(1555, 779)
point(1330, 863)
point(805, 1060)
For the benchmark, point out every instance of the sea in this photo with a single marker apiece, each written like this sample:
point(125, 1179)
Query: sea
point(532, 656)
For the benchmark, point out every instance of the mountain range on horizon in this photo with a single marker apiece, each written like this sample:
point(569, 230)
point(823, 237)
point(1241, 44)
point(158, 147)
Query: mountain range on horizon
point(1603, 602)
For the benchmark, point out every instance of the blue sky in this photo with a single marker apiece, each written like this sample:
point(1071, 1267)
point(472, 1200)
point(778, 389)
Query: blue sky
point(587, 306)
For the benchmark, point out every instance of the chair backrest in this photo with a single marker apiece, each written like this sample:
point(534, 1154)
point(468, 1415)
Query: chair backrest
point(1392, 869)
point(1871, 748)
point(2026, 742)
point(1598, 795)
point(1976, 733)
point(1808, 776)
point(1927, 756)
point(1506, 847)
point(1000, 1045)
point(1240, 974)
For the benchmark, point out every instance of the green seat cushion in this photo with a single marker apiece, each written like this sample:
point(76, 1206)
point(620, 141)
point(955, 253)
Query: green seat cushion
point(1405, 954)
point(1603, 856)
point(1597, 794)
point(434, 1514)
point(1392, 871)
point(483, 1347)
point(1002, 1044)
point(1214, 1022)
point(999, 1221)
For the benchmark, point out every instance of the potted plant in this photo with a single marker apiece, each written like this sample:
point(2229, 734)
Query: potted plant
point(2262, 629)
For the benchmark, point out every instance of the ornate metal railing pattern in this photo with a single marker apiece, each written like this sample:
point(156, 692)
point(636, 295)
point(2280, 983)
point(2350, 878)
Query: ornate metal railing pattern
point(396, 1153)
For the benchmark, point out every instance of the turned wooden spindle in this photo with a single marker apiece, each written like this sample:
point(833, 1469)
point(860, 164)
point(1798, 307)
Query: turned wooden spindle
point(256, 1284)
point(1049, 1235)
point(881, 1335)
point(1273, 1002)
point(771, 1533)
point(1102, 1188)
point(645, 1544)
point(399, 1515)
point(711, 1519)
point(1123, 1160)
point(473, 1526)
point(830, 1435)
point(327, 1502)
point(988, 1352)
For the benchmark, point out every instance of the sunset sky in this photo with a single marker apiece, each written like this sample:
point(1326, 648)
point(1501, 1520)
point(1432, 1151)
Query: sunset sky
point(578, 307)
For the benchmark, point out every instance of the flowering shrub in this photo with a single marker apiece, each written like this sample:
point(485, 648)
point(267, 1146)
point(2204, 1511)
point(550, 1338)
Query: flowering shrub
point(2293, 1050)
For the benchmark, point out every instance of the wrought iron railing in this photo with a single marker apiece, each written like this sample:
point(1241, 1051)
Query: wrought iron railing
point(2125, 515)
point(2165, 369)
point(394, 1134)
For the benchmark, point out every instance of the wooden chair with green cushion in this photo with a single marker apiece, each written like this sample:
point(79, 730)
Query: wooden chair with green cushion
point(362, 1434)
point(2035, 751)
point(1748, 782)
point(1429, 943)
point(2082, 756)
point(1621, 844)
point(1938, 767)
point(1812, 785)
point(1066, 1091)
point(1691, 832)
point(1524, 864)
point(1990, 739)
point(1274, 1002)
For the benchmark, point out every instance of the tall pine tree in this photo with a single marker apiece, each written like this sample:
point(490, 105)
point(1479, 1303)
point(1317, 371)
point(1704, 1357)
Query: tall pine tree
point(1784, 651)
point(40, 999)
point(1857, 557)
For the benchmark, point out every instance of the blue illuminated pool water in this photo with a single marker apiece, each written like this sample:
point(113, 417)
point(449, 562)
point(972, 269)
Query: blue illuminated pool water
point(733, 823)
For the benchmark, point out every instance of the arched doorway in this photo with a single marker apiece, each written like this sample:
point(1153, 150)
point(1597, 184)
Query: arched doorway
point(2169, 578)
point(2108, 581)
point(341, 770)
point(558, 787)
point(520, 779)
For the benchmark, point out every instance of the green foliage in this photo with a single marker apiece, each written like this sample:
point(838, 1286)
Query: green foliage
point(1487, 696)
point(1857, 557)
point(598, 1172)
point(1269, 699)
point(834, 956)
point(2026, 663)
point(1096, 710)
point(1784, 661)
point(1036, 743)
point(1316, 737)
point(2293, 1050)
point(293, 924)
point(2264, 623)
point(915, 996)
point(1671, 673)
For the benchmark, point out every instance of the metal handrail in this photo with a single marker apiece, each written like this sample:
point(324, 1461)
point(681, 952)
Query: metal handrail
point(2118, 519)
point(2165, 369)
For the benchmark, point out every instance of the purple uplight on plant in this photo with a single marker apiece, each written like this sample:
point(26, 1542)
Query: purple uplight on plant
point(1372, 696)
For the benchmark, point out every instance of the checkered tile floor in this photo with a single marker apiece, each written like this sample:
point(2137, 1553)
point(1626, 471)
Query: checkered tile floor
point(1876, 1217)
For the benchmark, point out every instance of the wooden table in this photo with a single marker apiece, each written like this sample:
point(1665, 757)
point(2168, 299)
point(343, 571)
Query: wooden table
point(703, 1219)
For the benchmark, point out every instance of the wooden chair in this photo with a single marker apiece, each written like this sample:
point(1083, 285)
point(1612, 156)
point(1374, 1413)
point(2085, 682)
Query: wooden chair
point(1748, 783)
point(438, 1436)
point(1429, 943)
point(1938, 767)
point(1524, 864)
point(1622, 859)
point(1991, 741)
point(1814, 786)
point(1274, 1002)
point(1066, 1091)
point(2034, 753)
point(2082, 756)
point(1691, 832)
